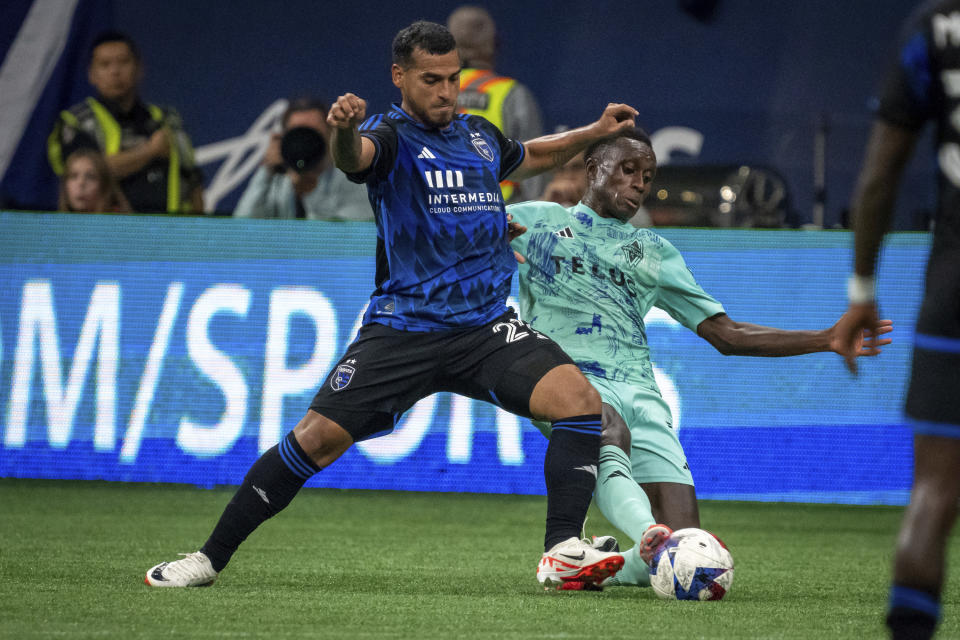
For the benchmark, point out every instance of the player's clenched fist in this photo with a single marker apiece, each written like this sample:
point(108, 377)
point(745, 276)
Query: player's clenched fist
point(347, 112)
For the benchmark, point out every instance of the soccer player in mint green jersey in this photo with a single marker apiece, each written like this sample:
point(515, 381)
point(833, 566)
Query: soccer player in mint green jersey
point(588, 280)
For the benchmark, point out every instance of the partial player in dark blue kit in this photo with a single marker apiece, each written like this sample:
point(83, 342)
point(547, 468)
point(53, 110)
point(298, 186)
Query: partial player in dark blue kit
point(438, 319)
point(923, 85)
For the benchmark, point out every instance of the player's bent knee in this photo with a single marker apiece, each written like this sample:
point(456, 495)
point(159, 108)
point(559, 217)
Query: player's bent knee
point(590, 398)
point(321, 438)
point(615, 430)
point(564, 392)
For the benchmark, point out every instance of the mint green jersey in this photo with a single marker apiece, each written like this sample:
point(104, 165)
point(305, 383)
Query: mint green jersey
point(589, 281)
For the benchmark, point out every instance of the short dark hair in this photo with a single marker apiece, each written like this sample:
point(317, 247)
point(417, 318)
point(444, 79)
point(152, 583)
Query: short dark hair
point(114, 36)
point(303, 103)
point(433, 38)
point(600, 146)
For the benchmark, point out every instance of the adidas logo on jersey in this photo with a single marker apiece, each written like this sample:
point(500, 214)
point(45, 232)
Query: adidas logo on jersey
point(426, 154)
point(566, 232)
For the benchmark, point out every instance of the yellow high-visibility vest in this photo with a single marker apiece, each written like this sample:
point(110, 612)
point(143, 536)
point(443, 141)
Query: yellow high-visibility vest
point(491, 92)
point(107, 134)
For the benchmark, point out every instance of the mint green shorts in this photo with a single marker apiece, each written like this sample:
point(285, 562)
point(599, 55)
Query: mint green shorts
point(656, 454)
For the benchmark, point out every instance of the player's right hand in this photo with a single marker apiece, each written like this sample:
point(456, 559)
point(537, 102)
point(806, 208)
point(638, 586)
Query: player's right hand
point(347, 112)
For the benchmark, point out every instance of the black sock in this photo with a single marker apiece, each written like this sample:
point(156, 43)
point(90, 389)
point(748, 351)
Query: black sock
point(913, 613)
point(268, 487)
point(570, 469)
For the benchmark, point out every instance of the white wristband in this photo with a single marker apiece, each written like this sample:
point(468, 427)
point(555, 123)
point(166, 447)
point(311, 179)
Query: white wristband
point(861, 289)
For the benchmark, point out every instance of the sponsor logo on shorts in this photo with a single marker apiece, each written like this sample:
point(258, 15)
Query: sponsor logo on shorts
point(342, 377)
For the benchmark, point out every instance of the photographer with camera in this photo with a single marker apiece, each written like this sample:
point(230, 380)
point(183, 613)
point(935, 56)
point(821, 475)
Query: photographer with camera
point(297, 179)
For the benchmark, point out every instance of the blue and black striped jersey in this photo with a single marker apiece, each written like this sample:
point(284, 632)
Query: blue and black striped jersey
point(443, 257)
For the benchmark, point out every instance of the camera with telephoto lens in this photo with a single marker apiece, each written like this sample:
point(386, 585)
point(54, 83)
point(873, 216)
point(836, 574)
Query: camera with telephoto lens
point(302, 149)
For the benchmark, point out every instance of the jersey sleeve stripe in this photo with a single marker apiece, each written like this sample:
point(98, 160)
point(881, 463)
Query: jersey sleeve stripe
point(376, 145)
point(371, 122)
point(523, 153)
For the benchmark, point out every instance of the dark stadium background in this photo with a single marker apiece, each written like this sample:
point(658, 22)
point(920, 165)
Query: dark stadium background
point(757, 79)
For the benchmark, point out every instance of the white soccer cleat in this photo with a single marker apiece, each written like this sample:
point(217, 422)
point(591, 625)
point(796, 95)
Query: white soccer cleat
point(650, 541)
point(194, 570)
point(576, 561)
point(606, 544)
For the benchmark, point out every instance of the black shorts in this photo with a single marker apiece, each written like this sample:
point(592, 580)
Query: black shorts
point(933, 401)
point(385, 371)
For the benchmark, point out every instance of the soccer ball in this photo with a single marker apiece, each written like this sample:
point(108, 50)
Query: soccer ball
point(692, 564)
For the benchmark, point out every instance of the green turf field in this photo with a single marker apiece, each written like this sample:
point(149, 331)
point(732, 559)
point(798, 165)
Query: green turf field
point(357, 564)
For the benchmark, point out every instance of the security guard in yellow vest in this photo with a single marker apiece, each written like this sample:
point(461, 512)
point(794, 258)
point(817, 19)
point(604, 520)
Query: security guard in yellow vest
point(145, 146)
point(504, 101)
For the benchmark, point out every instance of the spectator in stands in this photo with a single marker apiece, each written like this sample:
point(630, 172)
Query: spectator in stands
point(297, 178)
point(145, 146)
point(509, 105)
point(87, 185)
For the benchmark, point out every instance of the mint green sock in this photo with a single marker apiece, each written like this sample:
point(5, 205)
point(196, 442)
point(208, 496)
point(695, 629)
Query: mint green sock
point(625, 505)
point(635, 572)
point(620, 498)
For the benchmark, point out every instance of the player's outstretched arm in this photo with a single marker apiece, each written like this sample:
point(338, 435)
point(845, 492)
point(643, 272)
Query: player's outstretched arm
point(888, 150)
point(733, 338)
point(352, 152)
point(551, 151)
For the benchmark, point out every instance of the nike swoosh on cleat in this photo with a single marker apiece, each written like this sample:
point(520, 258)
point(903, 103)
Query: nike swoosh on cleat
point(583, 554)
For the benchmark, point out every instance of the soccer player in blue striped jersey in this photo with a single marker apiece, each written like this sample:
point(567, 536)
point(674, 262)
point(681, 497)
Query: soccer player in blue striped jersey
point(437, 320)
point(923, 84)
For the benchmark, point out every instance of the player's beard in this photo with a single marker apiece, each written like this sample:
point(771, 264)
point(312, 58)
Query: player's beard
point(441, 122)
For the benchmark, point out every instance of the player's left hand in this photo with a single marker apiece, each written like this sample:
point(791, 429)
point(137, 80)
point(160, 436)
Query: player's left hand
point(514, 231)
point(615, 119)
point(857, 333)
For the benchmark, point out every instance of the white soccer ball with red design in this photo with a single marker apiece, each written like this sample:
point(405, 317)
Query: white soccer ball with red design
point(692, 564)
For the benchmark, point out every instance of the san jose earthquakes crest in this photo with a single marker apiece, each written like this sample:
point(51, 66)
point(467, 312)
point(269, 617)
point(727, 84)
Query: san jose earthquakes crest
point(342, 377)
point(481, 147)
